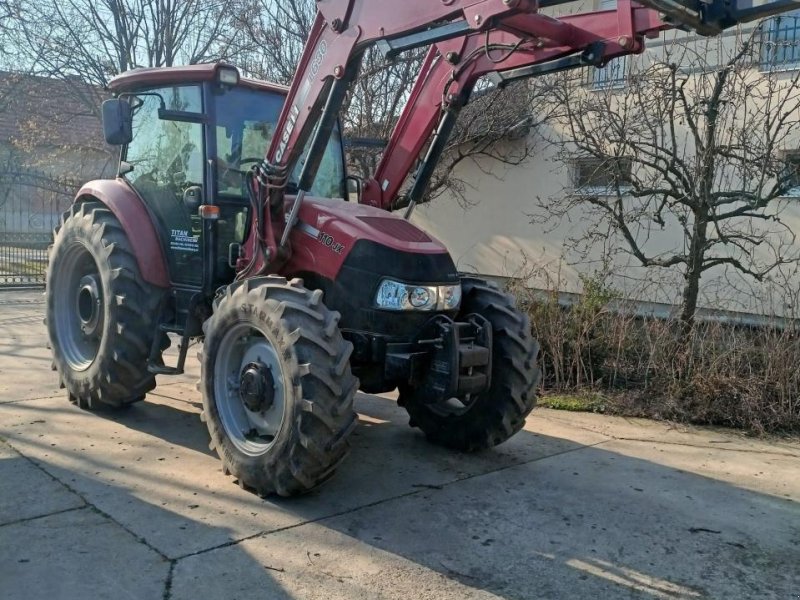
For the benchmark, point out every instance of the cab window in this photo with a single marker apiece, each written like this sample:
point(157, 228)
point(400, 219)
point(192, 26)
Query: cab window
point(245, 126)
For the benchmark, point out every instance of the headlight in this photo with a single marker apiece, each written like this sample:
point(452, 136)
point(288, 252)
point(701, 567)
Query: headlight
point(422, 298)
point(450, 296)
point(394, 295)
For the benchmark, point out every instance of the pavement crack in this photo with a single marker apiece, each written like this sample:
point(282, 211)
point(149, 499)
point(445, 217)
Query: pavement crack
point(237, 541)
point(715, 447)
point(168, 583)
point(44, 516)
point(717, 444)
point(526, 462)
point(88, 504)
point(3, 402)
point(355, 509)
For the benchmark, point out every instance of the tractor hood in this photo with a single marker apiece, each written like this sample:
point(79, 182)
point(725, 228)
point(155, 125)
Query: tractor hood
point(328, 230)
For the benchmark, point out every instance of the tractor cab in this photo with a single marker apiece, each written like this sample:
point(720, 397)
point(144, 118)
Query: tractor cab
point(189, 135)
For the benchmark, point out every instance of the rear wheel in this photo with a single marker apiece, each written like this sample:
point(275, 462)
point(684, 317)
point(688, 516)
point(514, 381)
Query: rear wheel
point(277, 388)
point(100, 312)
point(478, 421)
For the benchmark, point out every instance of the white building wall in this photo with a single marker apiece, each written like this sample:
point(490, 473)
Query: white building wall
point(500, 234)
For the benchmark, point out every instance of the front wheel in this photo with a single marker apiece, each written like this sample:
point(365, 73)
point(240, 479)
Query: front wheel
point(478, 421)
point(277, 388)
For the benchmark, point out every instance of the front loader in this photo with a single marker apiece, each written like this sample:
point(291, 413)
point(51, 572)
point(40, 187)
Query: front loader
point(300, 297)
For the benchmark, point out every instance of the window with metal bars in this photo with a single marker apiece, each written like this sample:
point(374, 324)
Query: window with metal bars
point(791, 162)
point(613, 75)
point(780, 42)
point(601, 175)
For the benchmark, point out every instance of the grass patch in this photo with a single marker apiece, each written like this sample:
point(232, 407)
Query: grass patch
point(595, 403)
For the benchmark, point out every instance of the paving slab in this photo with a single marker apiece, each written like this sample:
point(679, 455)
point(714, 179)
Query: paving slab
point(29, 492)
point(775, 473)
point(589, 523)
point(576, 505)
point(646, 430)
point(75, 555)
point(24, 358)
point(315, 562)
point(157, 452)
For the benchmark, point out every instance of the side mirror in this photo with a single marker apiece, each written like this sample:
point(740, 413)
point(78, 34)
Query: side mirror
point(354, 188)
point(117, 121)
point(193, 198)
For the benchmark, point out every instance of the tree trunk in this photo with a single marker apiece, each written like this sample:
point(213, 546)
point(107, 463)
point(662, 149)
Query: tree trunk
point(694, 270)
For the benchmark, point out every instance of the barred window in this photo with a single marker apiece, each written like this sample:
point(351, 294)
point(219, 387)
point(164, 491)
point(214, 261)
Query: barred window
point(791, 160)
point(780, 42)
point(595, 174)
point(612, 75)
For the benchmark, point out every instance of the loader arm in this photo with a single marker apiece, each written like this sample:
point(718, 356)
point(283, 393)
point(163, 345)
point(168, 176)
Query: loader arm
point(452, 68)
point(344, 29)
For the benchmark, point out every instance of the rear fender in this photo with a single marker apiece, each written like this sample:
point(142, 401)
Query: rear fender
point(135, 219)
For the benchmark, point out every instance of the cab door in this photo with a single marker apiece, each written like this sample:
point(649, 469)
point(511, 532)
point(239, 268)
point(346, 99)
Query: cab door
point(166, 158)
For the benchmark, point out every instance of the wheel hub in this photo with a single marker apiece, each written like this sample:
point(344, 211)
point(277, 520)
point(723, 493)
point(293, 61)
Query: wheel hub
point(257, 387)
point(89, 304)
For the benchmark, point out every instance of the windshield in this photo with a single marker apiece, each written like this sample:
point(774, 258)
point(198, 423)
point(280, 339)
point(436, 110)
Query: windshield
point(245, 124)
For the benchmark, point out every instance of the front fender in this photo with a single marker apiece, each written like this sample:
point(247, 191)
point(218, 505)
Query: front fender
point(135, 219)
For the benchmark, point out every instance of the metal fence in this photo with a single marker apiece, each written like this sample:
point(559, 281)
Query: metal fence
point(31, 204)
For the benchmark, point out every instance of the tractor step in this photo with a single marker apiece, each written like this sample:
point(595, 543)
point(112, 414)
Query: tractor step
point(155, 363)
point(157, 367)
point(163, 369)
point(171, 328)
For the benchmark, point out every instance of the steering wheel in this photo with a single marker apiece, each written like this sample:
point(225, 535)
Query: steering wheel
point(225, 173)
point(250, 160)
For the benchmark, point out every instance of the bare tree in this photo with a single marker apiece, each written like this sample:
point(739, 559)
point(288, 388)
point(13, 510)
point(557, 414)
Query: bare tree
point(94, 40)
point(9, 10)
point(273, 40)
point(492, 131)
point(82, 44)
point(694, 143)
point(272, 36)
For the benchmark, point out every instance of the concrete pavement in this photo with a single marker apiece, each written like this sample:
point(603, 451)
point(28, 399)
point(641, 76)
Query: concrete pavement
point(133, 504)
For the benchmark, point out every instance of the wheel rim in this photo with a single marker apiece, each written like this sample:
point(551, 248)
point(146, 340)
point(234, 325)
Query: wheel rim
point(79, 309)
point(248, 389)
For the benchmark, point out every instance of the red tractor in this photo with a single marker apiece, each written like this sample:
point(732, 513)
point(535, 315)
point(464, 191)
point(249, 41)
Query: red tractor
point(301, 297)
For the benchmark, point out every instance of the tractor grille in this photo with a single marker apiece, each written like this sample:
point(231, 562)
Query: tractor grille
point(397, 228)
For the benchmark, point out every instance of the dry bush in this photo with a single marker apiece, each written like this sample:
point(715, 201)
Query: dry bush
point(716, 373)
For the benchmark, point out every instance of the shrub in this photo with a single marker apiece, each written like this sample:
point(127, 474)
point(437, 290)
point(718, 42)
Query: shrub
point(717, 373)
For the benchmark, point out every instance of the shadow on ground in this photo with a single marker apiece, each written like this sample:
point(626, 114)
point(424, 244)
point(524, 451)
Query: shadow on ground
point(132, 503)
point(538, 517)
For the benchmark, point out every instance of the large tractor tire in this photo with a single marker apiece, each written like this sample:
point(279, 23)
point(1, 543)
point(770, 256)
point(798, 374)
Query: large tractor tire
point(100, 312)
point(277, 387)
point(480, 421)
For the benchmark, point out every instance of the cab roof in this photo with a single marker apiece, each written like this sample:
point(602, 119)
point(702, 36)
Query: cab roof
point(153, 76)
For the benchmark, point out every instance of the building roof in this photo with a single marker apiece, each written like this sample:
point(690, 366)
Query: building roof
point(40, 111)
